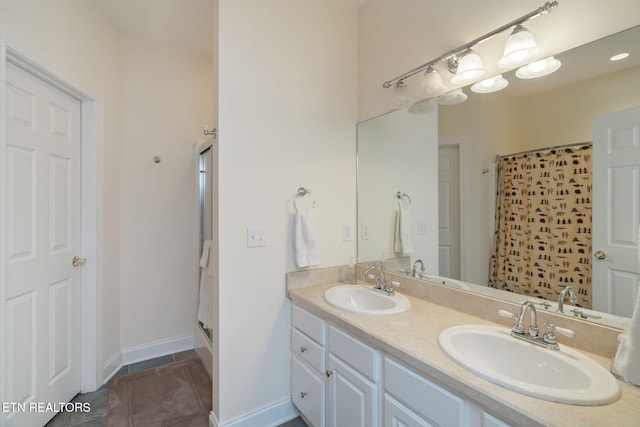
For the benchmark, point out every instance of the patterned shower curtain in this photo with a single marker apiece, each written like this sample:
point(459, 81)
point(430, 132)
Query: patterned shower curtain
point(542, 240)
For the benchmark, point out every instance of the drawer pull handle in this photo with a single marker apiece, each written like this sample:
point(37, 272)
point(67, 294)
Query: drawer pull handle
point(303, 349)
point(303, 394)
point(329, 372)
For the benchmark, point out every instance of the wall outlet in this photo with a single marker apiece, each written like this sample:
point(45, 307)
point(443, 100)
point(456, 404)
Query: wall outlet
point(364, 232)
point(346, 232)
point(422, 227)
point(256, 237)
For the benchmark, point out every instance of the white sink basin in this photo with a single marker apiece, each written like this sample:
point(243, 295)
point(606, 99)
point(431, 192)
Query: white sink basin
point(445, 281)
point(364, 300)
point(564, 376)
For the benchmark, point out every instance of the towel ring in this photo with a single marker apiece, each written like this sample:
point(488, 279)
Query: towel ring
point(301, 193)
point(400, 195)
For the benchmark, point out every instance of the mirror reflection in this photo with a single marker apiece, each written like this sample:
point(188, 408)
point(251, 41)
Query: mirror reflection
point(451, 153)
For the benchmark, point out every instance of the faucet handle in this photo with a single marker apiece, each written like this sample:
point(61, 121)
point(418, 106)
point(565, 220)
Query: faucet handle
point(550, 337)
point(508, 314)
point(566, 332)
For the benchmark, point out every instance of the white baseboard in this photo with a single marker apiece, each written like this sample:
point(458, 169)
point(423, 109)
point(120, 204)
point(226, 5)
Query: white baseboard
point(270, 416)
point(111, 367)
point(150, 350)
point(146, 351)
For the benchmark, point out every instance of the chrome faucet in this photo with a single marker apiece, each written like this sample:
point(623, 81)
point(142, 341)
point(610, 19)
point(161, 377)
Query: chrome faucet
point(380, 283)
point(572, 297)
point(548, 340)
point(533, 324)
point(415, 265)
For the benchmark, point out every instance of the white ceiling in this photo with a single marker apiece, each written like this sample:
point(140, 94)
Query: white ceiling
point(186, 24)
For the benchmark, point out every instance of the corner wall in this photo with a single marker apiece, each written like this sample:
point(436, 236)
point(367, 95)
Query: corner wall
point(166, 98)
point(287, 111)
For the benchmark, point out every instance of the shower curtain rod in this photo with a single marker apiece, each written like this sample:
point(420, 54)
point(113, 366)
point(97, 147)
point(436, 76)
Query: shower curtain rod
point(574, 144)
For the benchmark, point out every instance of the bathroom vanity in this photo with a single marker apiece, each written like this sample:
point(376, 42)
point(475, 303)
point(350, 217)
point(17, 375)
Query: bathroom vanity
point(359, 370)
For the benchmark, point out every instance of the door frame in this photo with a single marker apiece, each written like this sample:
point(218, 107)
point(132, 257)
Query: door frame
point(92, 108)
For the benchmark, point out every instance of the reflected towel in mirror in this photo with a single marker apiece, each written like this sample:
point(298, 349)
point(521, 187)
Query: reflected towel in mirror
point(402, 239)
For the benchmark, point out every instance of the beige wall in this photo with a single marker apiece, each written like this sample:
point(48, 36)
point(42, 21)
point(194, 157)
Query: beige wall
point(166, 98)
point(287, 106)
point(58, 32)
point(566, 115)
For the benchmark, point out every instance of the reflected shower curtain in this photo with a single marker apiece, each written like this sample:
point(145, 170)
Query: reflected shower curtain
point(542, 240)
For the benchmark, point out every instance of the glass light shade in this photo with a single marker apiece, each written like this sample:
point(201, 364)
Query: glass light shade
point(456, 96)
point(470, 68)
point(520, 49)
point(424, 107)
point(492, 84)
point(539, 68)
point(431, 84)
point(401, 97)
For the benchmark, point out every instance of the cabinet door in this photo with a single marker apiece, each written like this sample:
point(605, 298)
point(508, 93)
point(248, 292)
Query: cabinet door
point(353, 399)
point(398, 415)
point(308, 392)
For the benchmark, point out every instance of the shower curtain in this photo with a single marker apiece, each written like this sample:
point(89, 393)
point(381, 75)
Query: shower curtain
point(542, 239)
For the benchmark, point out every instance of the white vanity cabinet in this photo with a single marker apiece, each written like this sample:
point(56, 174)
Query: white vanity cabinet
point(337, 380)
point(354, 376)
point(411, 399)
point(334, 379)
point(308, 368)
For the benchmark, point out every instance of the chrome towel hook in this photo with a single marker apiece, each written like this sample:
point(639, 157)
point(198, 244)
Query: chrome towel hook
point(206, 131)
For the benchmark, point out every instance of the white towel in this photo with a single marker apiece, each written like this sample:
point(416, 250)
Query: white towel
point(305, 237)
point(402, 240)
point(626, 362)
point(205, 300)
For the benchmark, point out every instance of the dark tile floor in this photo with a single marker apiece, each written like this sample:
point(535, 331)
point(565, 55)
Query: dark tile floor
point(99, 399)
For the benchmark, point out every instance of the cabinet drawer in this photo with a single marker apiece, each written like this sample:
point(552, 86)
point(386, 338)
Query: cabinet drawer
point(308, 349)
point(396, 414)
point(358, 355)
point(425, 397)
point(308, 392)
point(306, 322)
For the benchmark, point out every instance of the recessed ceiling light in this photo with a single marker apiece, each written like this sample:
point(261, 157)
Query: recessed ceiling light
point(619, 56)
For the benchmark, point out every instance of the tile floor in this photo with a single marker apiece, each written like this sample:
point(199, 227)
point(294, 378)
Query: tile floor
point(99, 399)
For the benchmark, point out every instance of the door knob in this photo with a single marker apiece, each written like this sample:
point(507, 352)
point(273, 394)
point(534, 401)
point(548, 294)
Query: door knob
point(600, 255)
point(76, 261)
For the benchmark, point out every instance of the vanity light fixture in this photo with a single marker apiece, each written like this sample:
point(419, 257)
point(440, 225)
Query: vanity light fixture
point(456, 96)
point(467, 65)
point(431, 84)
point(539, 68)
point(401, 96)
point(520, 49)
point(492, 84)
point(619, 56)
point(470, 68)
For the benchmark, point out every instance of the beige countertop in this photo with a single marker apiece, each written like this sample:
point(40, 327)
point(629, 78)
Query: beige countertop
point(412, 337)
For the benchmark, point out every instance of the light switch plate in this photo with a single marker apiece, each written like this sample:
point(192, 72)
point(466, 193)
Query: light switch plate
point(256, 237)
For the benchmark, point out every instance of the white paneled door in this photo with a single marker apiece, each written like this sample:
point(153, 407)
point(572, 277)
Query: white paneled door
point(449, 211)
point(42, 211)
point(616, 211)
